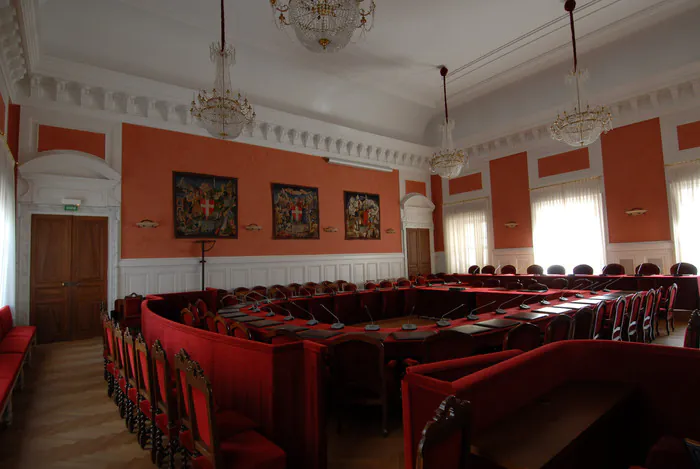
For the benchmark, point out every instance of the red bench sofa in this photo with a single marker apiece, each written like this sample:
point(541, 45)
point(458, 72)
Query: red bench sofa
point(16, 343)
point(665, 379)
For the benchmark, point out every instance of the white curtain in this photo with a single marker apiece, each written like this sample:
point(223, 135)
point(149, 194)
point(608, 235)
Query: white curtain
point(7, 228)
point(567, 225)
point(684, 199)
point(466, 235)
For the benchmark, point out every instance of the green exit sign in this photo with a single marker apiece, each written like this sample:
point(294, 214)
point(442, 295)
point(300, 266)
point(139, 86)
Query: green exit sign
point(71, 208)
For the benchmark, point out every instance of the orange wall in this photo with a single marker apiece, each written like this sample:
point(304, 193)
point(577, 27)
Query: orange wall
point(633, 168)
point(149, 156)
point(510, 199)
point(436, 195)
point(416, 186)
point(563, 163)
point(465, 184)
point(59, 138)
point(13, 114)
point(689, 136)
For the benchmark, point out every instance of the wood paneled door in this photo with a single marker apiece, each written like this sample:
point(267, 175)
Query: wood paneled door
point(418, 251)
point(68, 276)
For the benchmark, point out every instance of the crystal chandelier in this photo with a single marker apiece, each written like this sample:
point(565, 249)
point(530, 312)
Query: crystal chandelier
point(448, 161)
point(220, 111)
point(580, 127)
point(324, 25)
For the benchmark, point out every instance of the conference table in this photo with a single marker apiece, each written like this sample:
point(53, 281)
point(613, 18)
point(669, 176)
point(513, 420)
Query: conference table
point(688, 285)
point(424, 305)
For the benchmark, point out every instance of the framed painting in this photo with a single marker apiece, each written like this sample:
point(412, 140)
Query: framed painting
point(205, 206)
point(295, 213)
point(362, 216)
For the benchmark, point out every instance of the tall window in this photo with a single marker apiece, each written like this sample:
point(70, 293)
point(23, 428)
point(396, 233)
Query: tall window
point(567, 225)
point(684, 189)
point(466, 235)
point(7, 227)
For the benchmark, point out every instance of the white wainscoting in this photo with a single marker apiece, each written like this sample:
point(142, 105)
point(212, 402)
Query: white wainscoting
point(145, 276)
point(440, 262)
point(630, 255)
point(521, 258)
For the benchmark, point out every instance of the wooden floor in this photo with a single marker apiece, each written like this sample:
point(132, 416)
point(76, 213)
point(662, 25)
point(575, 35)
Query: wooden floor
point(64, 419)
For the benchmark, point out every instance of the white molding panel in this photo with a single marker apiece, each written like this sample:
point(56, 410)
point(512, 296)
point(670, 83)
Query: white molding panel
point(145, 276)
point(521, 258)
point(631, 255)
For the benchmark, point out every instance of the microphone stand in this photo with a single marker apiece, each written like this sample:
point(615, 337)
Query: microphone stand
point(524, 304)
point(473, 317)
point(372, 326)
point(500, 309)
point(311, 322)
point(442, 322)
point(409, 326)
point(337, 324)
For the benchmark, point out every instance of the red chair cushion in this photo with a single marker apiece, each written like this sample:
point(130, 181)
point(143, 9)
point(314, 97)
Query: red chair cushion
point(15, 344)
point(22, 331)
point(247, 450)
point(10, 364)
point(162, 424)
point(229, 422)
point(133, 395)
point(145, 407)
point(669, 453)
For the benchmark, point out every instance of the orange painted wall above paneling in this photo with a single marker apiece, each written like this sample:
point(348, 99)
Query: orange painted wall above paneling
point(689, 135)
point(633, 168)
point(563, 163)
point(510, 201)
point(416, 186)
point(149, 156)
point(13, 115)
point(464, 184)
point(60, 138)
point(436, 195)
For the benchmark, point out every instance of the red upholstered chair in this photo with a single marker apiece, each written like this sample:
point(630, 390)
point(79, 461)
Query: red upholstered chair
point(229, 300)
point(474, 269)
point(260, 289)
point(237, 329)
point(618, 315)
point(120, 371)
point(514, 285)
point(221, 325)
point(598, 320)
point(559, 328)
point(187, 317)
point(692, 333)
point(582, 284)
point(583, 269)
point(371, 286)
point(131, 374)
point(307, 291)
point(215, 447)
point(404, 283)
point(632, 320)
point(209, 321)
point(165, 407)
point(559, 283)
point(349, 287)
point(492, 283)
point(201, 306)
point(447, 345)
point(340, 283)
point(312, 286)
point(110, 357)
point(452, 420)
point(645, 324)
point(524, 336)
point(535, 269)
point(614, 269)
point(359, 374)
point(683, 268)
point(241, 293)
point(329, 289)
point(144, 374)
point(294, 287)
point(325, 283)
point(508, 269)
point(386, 284)
point(420, 281)
point(488, 269)
point(666, 311)
point(556, 269)
point(647, 268)
point(583, 324)
point(432, 276)
point(279, 292)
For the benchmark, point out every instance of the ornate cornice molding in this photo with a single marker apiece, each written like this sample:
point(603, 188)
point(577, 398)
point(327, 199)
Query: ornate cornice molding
point(13, 66)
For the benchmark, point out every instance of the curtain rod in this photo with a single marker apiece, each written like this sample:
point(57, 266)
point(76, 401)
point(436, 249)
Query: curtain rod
point(564, 183)
point(464, 201)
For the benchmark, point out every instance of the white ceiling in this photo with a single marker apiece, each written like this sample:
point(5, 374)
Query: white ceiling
point(386, 83)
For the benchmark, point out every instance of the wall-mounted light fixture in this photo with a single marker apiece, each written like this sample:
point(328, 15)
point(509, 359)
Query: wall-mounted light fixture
point(253, 227)
point(511, 224)
point(330, 229)
point(146, 223)
point(635, 212)
point(390, 231)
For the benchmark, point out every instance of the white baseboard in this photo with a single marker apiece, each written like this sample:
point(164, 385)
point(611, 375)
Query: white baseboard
point(521, 258)
point(183, 274)
point(631, 255)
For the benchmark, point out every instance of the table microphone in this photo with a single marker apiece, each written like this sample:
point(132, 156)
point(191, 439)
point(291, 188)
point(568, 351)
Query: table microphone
point(409, 326)
point(289, 316)
point(311, 322)
point(442, 322)
point(678, 269)
point(371, 326)
point(606, 289)
point(495, 271)
point(473, 317)
point(337, 324)
point(500, 309)
point(524, 304)
point(256, 306)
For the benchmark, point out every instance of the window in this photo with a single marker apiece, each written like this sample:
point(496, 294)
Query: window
point(466, 235)
point(7, 228)
point(684, 199)
point(567, 225)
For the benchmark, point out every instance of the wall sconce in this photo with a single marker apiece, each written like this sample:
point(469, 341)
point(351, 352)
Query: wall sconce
point(635, 212)
point(390, 231)
point(511, 224)
point(253, 227)
point(330, 229)
point(146, 223)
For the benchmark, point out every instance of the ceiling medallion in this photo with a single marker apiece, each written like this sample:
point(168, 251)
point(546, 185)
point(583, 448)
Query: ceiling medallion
point(580, 127)
point(220, 111)
point(324, 25)
point(448, 161)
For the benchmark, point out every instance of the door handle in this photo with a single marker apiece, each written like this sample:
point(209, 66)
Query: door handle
point(70, 284)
